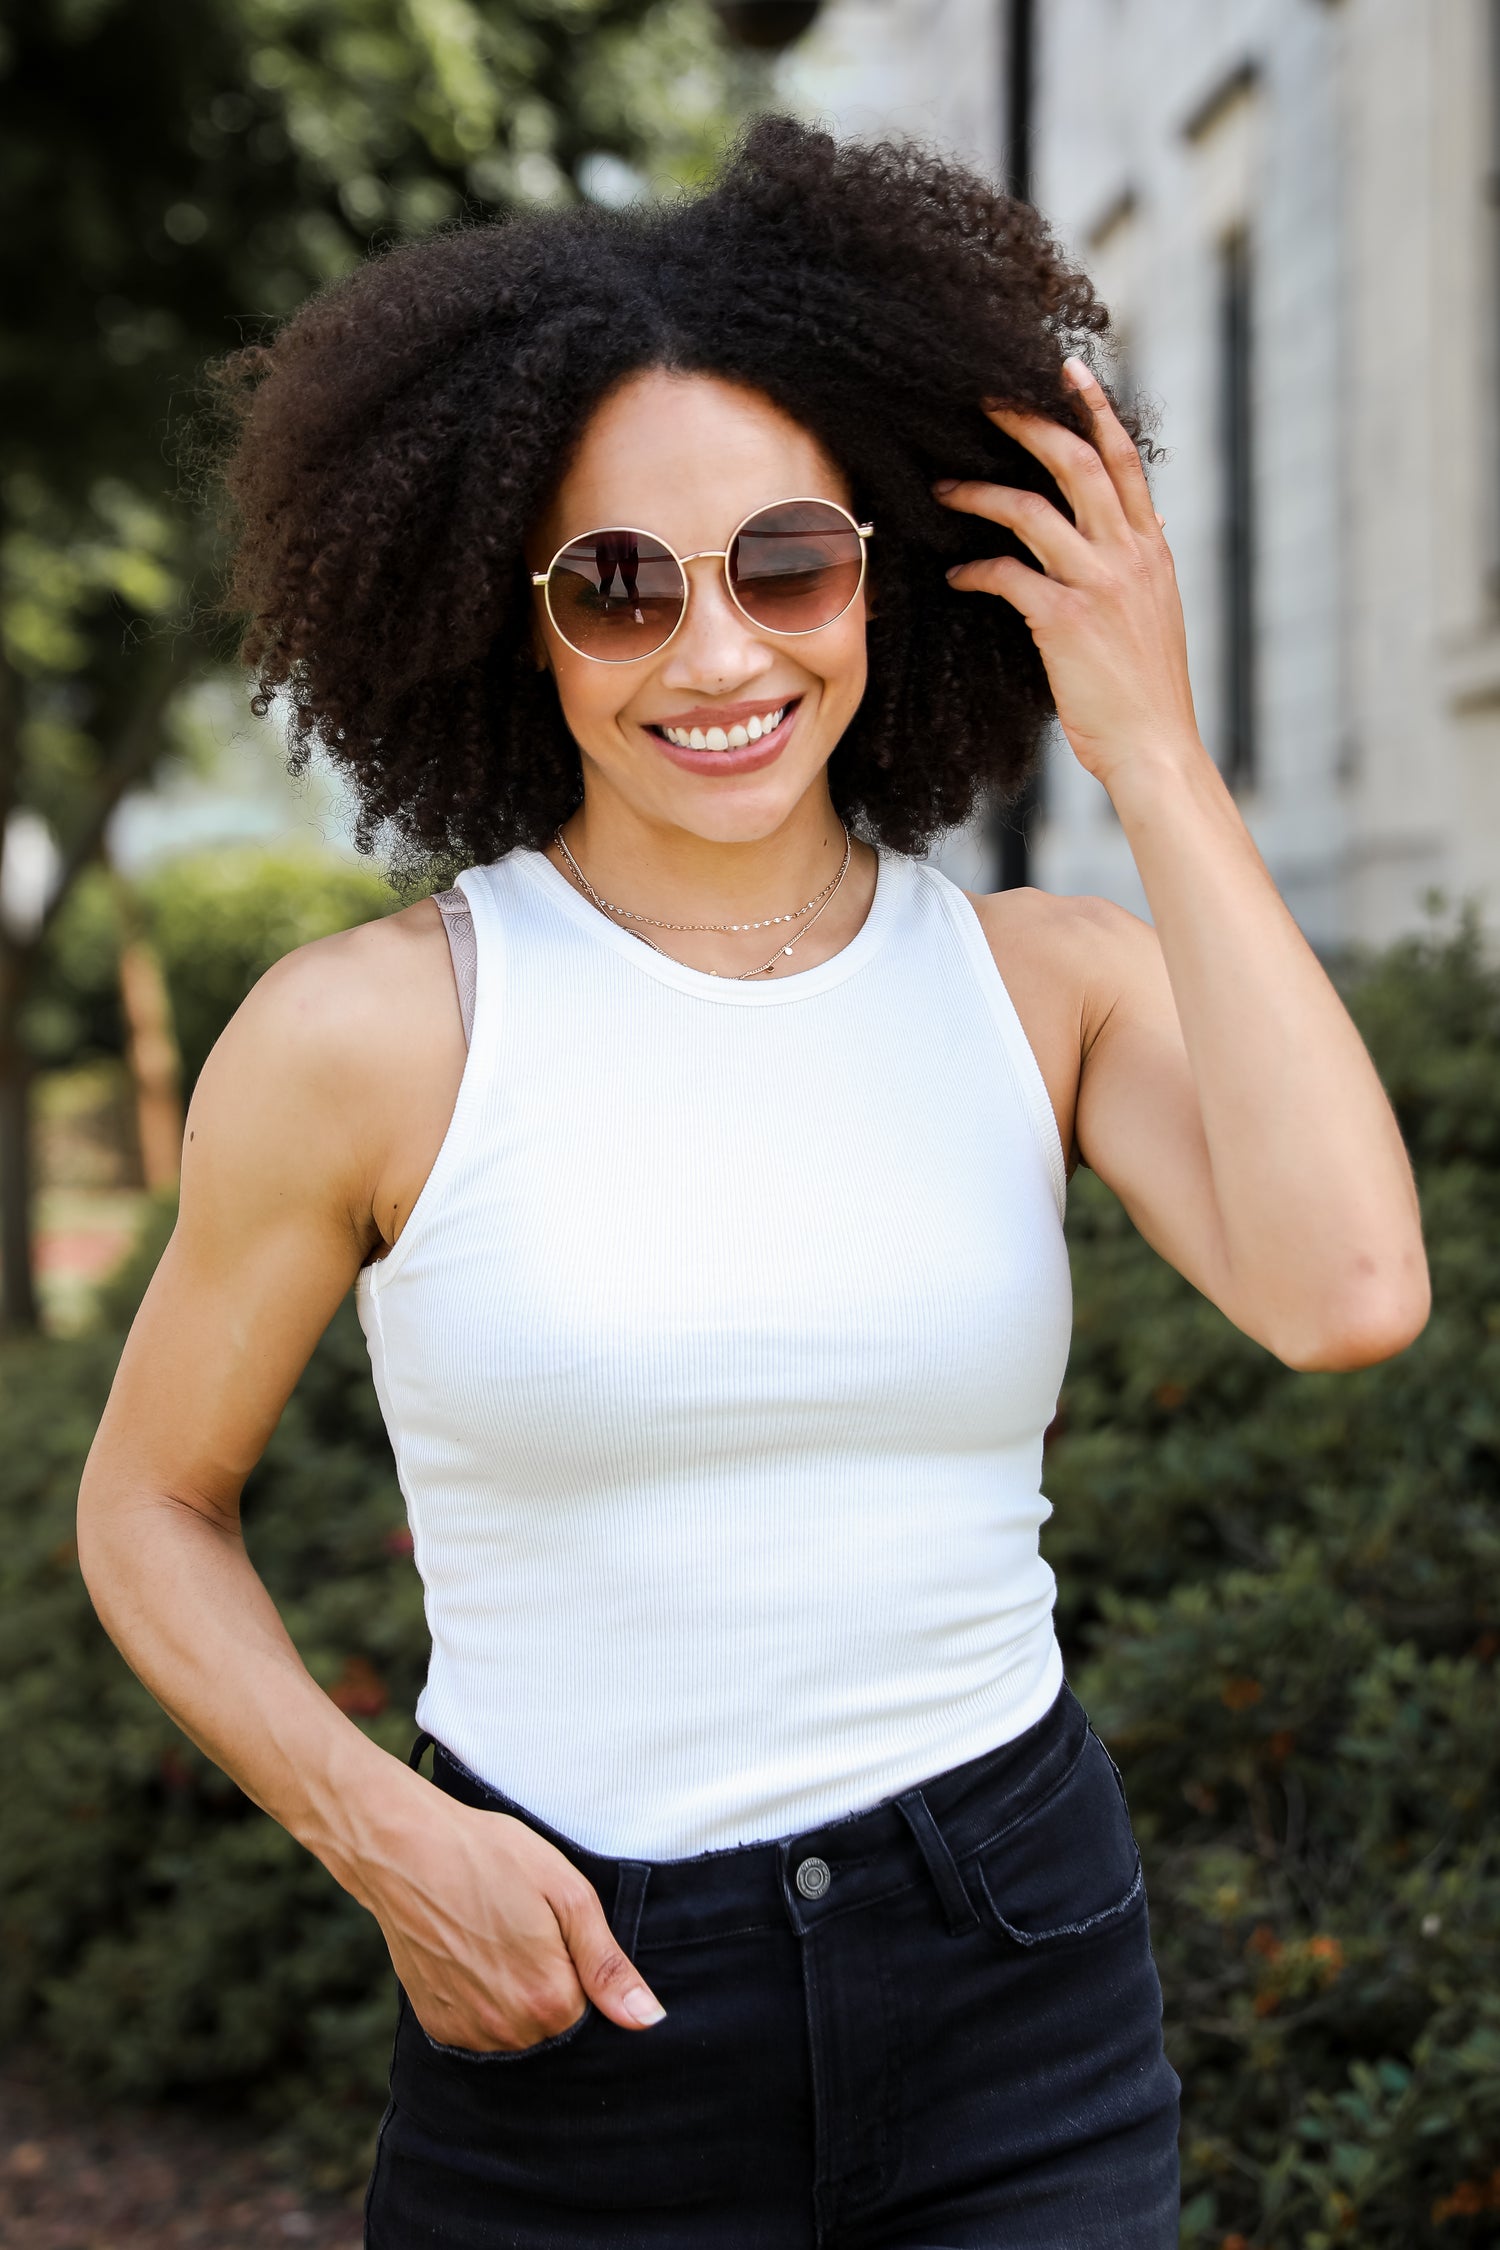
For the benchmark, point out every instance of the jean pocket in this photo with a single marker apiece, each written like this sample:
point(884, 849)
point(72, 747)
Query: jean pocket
point(1071, 1866)
point(483, 2057)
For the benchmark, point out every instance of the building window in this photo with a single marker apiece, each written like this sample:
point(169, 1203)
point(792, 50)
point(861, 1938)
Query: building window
point(1236, 342)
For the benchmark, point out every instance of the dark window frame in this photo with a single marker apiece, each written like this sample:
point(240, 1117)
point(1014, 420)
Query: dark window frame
point(1238, 649)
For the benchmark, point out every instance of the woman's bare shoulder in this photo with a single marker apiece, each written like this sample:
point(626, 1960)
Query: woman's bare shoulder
point(1074, 954)
point(333, 1059)
point(1059, 926)
point(360, 1000)
point(1065, 963)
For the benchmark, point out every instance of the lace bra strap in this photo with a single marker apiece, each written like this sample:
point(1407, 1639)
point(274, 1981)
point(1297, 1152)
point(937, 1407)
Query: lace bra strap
point(458, 922)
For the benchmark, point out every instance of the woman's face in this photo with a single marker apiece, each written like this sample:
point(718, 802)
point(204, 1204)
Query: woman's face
point(688, 457)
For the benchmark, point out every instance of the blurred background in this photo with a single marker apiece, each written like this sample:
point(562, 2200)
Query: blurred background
point(1279, 1593)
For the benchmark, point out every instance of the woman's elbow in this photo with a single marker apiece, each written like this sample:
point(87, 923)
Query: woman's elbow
point(1362, 1327)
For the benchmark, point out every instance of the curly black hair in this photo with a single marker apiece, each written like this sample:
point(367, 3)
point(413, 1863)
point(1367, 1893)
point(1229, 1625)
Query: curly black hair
point(393, 443)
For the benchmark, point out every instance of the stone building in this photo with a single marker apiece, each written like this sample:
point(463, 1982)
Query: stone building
point(1291, 207)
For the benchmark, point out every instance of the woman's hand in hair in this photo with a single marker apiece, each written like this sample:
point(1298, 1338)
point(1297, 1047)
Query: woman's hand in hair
point(1103, 608)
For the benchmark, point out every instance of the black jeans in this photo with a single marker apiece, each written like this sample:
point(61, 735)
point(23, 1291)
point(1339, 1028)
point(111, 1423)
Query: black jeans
point(932, 2026)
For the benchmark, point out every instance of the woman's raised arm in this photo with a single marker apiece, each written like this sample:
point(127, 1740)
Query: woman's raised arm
point(1224, 1094)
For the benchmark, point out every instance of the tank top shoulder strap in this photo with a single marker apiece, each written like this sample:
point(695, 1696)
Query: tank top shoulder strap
point(1025, 1070)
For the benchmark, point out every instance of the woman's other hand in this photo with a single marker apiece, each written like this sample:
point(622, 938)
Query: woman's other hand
point(1103, 609)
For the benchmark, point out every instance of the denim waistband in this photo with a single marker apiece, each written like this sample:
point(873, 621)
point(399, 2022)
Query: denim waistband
point(822, 1872)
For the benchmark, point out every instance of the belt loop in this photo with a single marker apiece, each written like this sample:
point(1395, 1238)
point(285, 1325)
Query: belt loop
point(957, 1904)
point(419, 1750)
point(630, 1897)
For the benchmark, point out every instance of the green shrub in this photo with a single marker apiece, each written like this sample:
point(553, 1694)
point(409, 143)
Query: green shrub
point(161, 1934)
point(218, 920)
point(1279, 1597)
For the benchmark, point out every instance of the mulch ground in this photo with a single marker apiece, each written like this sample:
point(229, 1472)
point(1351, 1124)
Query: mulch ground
point(77, 2177)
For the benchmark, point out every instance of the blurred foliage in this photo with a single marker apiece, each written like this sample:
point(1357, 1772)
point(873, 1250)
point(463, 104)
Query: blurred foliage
point(1280, 1596)
point(172, 179)
point(173, 176)
point(167, 1937)
point(217, 919)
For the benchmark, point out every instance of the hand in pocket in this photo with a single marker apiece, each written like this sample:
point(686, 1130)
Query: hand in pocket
point(497, 1938)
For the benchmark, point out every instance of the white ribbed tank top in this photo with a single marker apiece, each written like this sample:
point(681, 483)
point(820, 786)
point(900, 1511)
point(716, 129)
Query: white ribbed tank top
point(716, 1356)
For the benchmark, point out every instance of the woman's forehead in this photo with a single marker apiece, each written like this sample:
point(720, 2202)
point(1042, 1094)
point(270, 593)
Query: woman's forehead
point(687, 456)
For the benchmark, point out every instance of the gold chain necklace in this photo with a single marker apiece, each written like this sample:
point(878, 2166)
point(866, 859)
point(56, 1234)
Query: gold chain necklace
point(815, 908)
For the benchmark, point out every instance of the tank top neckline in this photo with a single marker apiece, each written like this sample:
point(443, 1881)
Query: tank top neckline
point(892, 875)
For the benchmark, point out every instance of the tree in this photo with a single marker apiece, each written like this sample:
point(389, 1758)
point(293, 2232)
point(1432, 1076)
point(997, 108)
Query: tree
point(171, 178)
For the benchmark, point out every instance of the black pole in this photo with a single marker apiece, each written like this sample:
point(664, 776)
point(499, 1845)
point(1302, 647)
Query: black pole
point(1237, 556)
point(1020, 71)
point(1011, 822)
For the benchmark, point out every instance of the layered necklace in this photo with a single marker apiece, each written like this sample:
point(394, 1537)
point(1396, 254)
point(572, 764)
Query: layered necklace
point(816, 907)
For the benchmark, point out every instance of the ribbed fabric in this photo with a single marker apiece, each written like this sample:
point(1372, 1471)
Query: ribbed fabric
point(716, 1355)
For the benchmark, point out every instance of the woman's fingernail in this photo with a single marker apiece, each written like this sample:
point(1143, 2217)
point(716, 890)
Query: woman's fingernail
point(1076, 371)
point(642, 2008)
point(946, 484)
point(952, 571)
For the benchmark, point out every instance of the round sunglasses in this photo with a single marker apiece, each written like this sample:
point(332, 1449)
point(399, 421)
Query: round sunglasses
point(620, 595)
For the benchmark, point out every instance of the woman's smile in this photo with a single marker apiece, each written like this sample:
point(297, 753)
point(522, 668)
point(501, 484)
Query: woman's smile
point(732, 738)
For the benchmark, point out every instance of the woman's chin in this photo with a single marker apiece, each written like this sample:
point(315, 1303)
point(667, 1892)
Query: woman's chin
point(725, 808)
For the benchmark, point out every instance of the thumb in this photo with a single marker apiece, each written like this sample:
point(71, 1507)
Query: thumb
point(608, 1976)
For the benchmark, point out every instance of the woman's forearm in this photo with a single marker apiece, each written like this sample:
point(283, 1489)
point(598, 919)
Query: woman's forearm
point(1316, 1205)
point(178, 1595)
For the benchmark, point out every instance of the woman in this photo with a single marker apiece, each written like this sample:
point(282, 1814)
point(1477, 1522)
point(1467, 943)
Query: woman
point(682, 571)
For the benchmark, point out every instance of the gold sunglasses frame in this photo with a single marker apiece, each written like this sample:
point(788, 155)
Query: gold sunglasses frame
point(864, 532)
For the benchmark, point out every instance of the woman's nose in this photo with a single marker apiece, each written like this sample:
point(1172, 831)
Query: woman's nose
point(716, 645)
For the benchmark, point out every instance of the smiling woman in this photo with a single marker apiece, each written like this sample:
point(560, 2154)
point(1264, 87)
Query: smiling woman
point(402, 439)
point(685, 569)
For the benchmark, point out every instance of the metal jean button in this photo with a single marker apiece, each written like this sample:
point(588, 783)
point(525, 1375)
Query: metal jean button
point(813, 1878)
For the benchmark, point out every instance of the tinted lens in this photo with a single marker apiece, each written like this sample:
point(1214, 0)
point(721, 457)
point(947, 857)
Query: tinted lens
point(616, 595)
point(797, 566)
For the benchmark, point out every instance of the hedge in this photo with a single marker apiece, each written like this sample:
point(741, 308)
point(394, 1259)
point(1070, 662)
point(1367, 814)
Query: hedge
point(218, 919)
point(1280, 1600)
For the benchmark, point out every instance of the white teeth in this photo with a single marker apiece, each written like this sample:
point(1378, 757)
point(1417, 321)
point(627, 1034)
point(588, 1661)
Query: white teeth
point(719, 738)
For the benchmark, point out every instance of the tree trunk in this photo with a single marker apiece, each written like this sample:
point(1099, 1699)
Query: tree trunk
point(125, 762)
point(155, 1064)
point(18, 1298)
